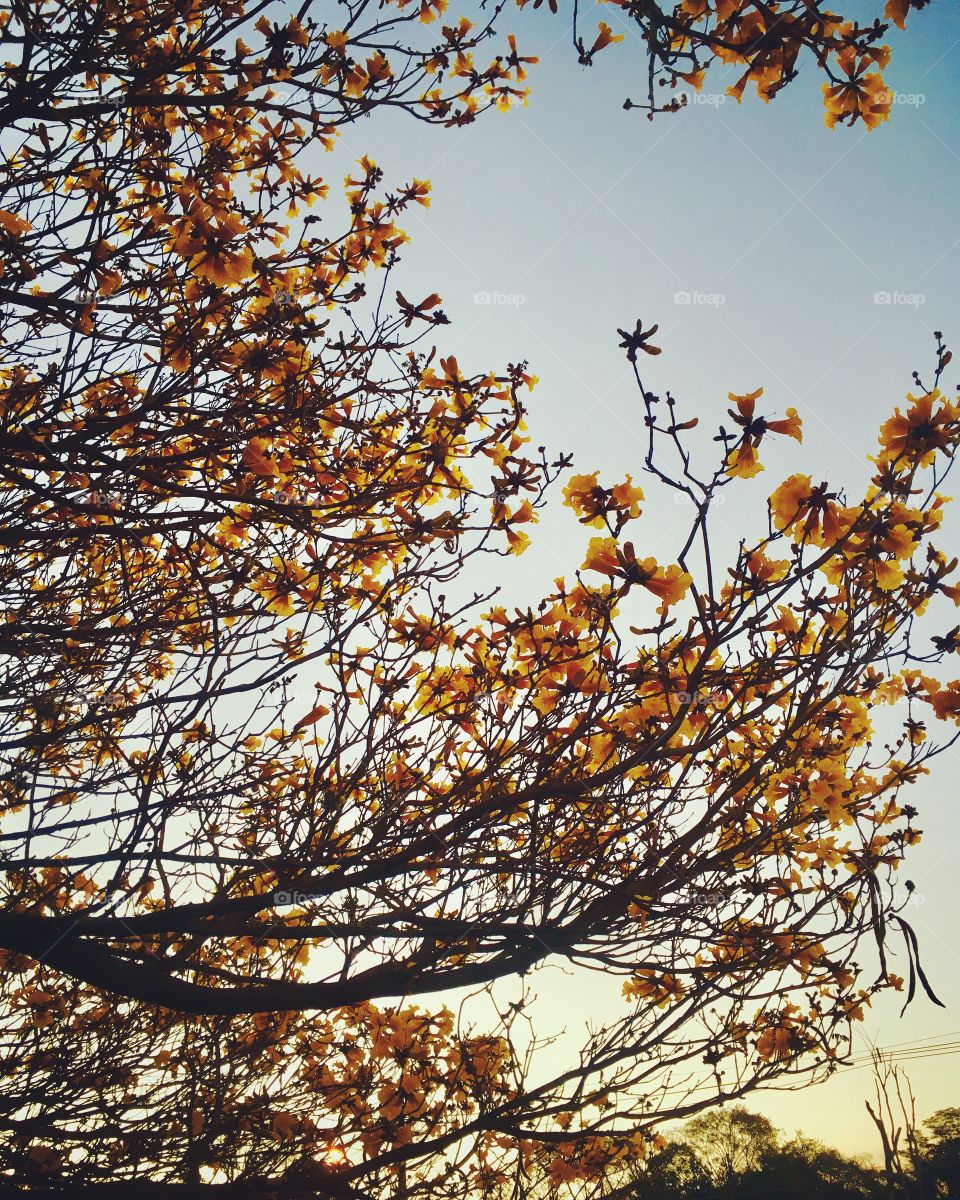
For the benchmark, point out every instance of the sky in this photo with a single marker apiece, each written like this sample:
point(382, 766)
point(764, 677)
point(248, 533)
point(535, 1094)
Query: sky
point(772, 252)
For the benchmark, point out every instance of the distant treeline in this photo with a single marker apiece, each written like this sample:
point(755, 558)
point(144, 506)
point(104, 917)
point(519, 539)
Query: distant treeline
point(731, 1153)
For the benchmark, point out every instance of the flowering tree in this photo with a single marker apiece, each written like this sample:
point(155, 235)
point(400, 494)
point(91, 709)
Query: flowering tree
point(273, 778)
point(766, 43)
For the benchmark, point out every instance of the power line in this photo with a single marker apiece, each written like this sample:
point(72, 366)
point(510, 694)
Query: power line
point(939, 1046)
point(934, 1037)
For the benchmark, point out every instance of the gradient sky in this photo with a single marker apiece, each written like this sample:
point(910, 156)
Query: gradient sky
point(576, 217)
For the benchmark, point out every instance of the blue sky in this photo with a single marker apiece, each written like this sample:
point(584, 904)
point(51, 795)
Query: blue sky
point(554, 224)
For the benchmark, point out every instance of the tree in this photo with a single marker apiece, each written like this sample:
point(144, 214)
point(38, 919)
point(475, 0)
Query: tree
point(804, 1168)
point(731, 1143)
point(944, 1125)
point(895, 1117)
point(938, 1164)
point(673, 1171)
point(766, 42)
point(739, 1153)
point(273, 778)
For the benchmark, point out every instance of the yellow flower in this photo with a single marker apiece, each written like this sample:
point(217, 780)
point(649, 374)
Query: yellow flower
point(605, 37)
point(280, 586)
point(593, 503)
point(889, 575)
point(12, 225)
point(669, 584)
point(580, 495)
point(896, 11)
point(809, 512)
point(861, 92)
point(920, 432)
point(647, 985)
point(789, 426)
point(602, 556)
point(742, 461)
point(207, 245)
point(627, 498)
point(788, 500)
